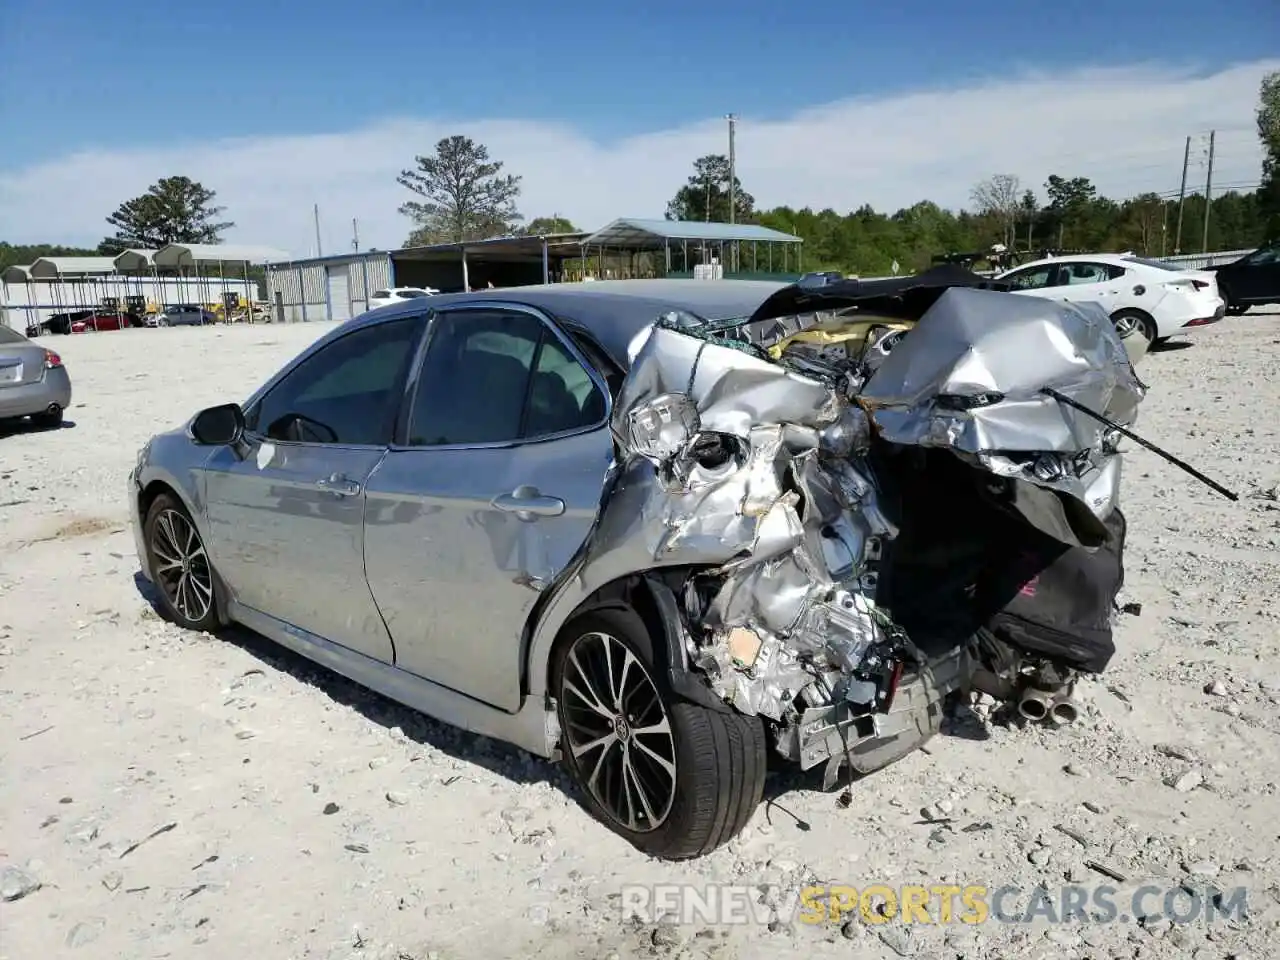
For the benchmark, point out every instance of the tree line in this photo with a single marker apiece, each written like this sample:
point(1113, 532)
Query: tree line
point(461, 193)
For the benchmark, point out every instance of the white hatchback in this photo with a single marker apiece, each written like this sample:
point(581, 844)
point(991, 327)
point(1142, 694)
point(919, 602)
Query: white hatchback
point(384, 298)
point(1157, 300)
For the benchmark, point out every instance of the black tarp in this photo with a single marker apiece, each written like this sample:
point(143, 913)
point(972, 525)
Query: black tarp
point(904, 297)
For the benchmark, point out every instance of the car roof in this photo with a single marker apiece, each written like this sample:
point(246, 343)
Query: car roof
point(613, 312)
point(1119, 259)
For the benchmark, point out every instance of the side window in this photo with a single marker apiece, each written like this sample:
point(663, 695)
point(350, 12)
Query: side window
point(499, 376)
point(1115, 271)
point(474, 378)
point(381, 294)
point(348, 392)
point(1078, 273)
point(562, 395)
point(1033, 278)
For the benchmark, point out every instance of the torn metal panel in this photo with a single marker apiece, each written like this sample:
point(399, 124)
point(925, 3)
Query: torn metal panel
point(739, 464)
point(732, 390)
point(971, 377)
point(749, 467)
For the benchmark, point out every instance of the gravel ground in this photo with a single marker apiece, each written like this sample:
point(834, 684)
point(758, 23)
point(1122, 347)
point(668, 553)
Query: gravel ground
point(178, 796)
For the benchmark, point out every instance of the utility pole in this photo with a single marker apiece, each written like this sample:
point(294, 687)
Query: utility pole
point(732, 162)
point(315, 210)
point(1182, 196)
point(733, 200)
point(1208, 196)
point(364, 263)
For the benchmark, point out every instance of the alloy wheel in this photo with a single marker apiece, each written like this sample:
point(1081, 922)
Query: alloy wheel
point(181, 565)
point(1127, 325)
point(618, 732)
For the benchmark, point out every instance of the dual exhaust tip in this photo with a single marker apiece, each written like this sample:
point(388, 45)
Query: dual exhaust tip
point(1040, 706)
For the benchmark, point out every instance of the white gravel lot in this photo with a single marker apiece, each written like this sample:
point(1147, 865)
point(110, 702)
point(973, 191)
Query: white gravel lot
point(290, 814)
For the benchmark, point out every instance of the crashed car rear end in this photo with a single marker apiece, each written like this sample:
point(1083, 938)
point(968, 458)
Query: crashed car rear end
point(869, 502)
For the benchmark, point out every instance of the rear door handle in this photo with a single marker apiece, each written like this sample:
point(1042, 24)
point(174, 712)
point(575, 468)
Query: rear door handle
point(340, 485)
point(528, 503)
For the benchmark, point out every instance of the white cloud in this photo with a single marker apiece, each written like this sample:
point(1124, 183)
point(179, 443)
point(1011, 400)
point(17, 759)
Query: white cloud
point(1124, 128)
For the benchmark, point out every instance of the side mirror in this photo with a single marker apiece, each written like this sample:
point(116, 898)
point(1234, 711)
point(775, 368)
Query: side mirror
point(218, 426)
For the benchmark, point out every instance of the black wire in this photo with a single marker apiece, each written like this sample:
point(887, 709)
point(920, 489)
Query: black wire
point(1212, 484)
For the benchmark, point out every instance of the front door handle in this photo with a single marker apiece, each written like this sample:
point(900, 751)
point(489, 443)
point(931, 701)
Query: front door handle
point(528, 503)
point(340, 485)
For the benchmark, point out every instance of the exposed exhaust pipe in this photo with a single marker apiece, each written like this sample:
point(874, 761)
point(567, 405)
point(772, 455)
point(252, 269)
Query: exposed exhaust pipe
point(1063, 710)
point(1035, 704)
point(53, 409)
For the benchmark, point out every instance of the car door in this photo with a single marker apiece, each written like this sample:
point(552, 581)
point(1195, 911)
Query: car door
point(492, 491)
point(1083, 280)
point(286, 512)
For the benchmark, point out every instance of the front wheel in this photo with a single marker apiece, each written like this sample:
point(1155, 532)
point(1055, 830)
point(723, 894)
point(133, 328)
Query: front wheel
point(676, 779)
point(180, 566)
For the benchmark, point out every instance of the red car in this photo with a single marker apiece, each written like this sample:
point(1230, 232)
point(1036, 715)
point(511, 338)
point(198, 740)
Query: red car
point(104, 320)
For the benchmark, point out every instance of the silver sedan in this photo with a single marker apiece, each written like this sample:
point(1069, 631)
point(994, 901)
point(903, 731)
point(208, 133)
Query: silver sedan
point(33, 381)
point(593, 521)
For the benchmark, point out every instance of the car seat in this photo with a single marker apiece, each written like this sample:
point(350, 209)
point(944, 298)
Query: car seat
point(552, 407)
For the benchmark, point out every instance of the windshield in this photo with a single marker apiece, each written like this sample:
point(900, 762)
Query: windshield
point(410, 294)
point(1158, 264)
point(9, 335)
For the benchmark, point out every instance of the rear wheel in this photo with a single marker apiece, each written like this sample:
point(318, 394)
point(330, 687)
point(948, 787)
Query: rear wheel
point(675, 779)
point(1131, 322)
point(180, 566)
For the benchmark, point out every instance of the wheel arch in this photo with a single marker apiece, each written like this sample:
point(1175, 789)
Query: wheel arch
point(652, 596)
point(151, 485)
point(1144, 315)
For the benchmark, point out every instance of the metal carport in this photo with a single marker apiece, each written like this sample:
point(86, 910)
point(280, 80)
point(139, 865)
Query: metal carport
point(75, 276)
point(475, 264)
point(680, 245)
point(19, 275)
point(186, 258)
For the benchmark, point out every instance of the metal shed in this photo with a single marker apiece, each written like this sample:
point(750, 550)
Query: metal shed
point(326, 288)
point(736, 250)
point(338, 287)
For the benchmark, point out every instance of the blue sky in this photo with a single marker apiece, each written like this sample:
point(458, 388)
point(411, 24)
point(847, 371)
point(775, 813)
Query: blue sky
point(124, 79)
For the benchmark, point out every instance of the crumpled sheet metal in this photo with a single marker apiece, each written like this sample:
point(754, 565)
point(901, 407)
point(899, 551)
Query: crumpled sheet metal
point(979, 341)
point(732, 390)
point(779, 560)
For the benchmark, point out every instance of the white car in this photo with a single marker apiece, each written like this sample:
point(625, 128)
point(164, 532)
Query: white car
point(1157, 300)
point(384, 298)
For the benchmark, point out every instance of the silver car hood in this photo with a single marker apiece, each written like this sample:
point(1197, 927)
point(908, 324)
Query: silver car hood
point(756, 475)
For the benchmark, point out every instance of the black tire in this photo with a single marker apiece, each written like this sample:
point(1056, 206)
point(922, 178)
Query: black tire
point(720, 758)
point(49, 420)
point(1142, 322)
point(171, 536)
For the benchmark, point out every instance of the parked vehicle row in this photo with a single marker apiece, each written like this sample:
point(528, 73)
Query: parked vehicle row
point(97, 320)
